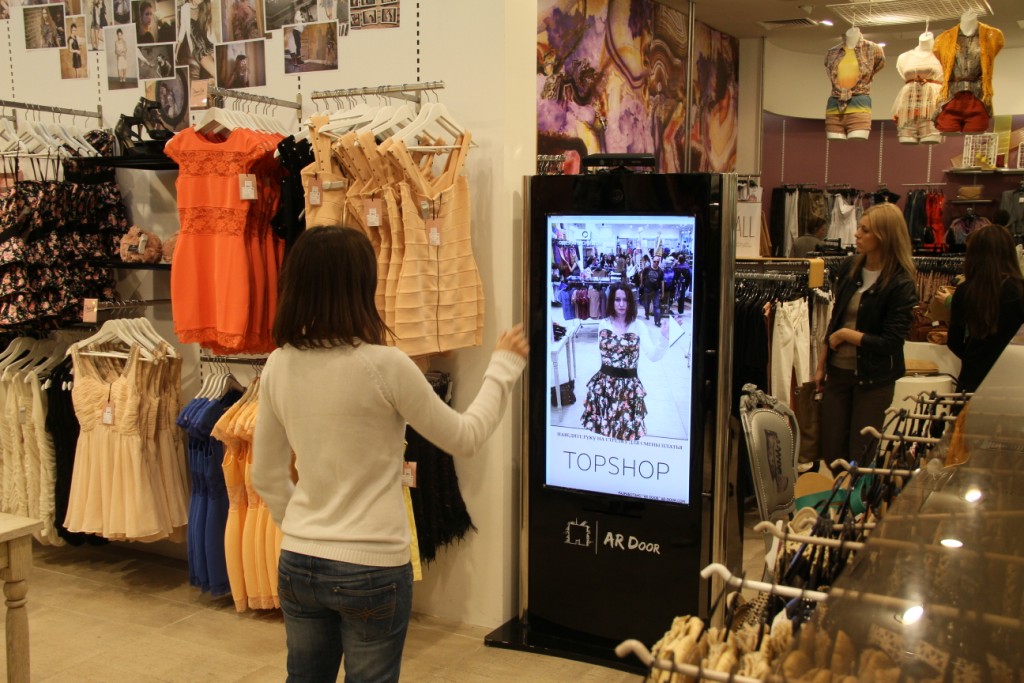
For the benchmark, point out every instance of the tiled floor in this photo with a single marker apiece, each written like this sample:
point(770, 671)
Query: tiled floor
point(114, 614)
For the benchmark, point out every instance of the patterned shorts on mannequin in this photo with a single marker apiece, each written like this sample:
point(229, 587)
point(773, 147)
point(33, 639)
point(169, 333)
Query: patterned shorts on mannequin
point(855, 117)
point(965, 113)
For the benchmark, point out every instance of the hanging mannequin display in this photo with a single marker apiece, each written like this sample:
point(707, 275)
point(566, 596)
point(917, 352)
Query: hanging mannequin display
point(967, 53)
point(915, 104)
point(851, 65)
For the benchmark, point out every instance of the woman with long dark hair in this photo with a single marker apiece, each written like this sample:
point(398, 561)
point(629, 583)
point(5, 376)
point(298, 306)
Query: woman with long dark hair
point(339, 398)
point(988, 308)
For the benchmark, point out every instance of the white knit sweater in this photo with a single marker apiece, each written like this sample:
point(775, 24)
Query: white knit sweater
point(343, 412)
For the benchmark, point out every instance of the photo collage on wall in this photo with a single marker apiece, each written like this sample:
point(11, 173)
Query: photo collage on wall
point(176, 49)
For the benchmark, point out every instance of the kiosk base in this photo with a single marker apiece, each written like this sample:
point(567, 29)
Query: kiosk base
point(579, 647)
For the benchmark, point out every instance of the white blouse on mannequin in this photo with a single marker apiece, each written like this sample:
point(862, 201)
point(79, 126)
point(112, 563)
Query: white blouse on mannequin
point(916, 101)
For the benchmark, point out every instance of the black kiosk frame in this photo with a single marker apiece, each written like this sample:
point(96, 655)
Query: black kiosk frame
point(600, 564)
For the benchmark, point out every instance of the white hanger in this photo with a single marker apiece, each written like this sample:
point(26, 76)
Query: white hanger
point(17, 347)
point(55, 358)
point(145, 326)
point(112, 331)
point(40, 351)
point(403, 115)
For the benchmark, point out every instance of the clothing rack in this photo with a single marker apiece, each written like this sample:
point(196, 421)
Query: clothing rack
point(813, 269)
point(215, 91)
point(98, 114)
point(253, 360)
point(739, 582)
point(402, 92)
point(691, 671)
point(924, 184)
point(550, 164)
point(92, 307)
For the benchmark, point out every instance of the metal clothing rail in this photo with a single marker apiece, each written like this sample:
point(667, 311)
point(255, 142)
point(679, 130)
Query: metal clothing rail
point(98, 114)
point(92, 307)
point(691, 671)
point(814, 268)
point(396, 91)
point(254, 360)
point(215, 91)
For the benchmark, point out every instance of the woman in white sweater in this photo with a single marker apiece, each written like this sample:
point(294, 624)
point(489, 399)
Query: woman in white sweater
point(339, 398)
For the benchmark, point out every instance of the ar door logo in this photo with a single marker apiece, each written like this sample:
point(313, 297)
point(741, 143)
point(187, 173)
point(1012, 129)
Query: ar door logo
point(578, 533)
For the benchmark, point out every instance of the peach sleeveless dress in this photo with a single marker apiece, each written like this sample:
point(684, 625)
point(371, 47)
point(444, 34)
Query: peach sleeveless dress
point(116, 492)
point(439, 303)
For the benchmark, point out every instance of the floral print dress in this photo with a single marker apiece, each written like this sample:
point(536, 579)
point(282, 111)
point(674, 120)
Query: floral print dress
point(615, 405)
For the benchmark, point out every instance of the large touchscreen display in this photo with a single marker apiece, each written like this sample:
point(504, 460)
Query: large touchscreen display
point(619, 355)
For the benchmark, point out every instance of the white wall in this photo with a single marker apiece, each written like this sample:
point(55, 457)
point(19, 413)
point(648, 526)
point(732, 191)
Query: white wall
point(485, 53)
point(784, 68)
point(748, 143)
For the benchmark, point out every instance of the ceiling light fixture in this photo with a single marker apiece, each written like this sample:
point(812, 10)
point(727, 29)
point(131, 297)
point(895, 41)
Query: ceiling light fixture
point(972, 495)
point(827, 22)
point(890, 12)
point(952, 543)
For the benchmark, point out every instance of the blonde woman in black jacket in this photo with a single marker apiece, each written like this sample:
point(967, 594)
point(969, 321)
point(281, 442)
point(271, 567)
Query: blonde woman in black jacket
point(863, 354)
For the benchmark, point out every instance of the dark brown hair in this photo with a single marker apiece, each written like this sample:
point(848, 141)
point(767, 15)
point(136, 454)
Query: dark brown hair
point(327, 291)
point(990, 261)
point(630, 301)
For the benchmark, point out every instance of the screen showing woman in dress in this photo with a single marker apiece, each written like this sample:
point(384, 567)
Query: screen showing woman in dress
point(619, 355)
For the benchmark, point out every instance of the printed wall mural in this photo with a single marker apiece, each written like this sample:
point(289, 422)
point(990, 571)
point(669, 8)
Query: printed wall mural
point(713, 114)
point(612, 76)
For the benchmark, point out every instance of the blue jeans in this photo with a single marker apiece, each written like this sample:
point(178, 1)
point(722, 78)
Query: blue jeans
point(333, 608)
point(654, 302)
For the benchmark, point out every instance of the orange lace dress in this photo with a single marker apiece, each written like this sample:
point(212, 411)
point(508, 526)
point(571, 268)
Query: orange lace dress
point(224, 280)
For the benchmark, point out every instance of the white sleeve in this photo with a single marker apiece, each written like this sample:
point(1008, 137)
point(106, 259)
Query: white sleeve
point(460, 434)
point(653, 346)
point(272, 452)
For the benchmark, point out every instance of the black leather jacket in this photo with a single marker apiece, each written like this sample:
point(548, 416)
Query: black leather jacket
point(884, 316)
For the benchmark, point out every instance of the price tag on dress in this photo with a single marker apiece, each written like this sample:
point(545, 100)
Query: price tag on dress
point(409, 475)
point(434, 232)
point(316, 189)
point(247, 186)
point(108, 414)
point(373, 209)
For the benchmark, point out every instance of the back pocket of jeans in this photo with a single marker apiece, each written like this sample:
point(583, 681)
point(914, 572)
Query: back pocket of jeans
point(370, 613)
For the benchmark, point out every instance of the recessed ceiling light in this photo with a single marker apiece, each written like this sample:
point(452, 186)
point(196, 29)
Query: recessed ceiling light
point(913, 615)
point(972, 495)
point(952, 543)
point(881, 44)
point(829, 22)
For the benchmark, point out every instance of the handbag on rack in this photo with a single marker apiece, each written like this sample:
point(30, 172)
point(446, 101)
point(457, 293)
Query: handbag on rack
point(567, 392)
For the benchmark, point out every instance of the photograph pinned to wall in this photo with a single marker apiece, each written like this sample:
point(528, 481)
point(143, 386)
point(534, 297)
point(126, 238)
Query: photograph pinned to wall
point(199, 93)
point(331, 10)
point(44, 27)
point(156, 61)
point(97, 18)
point(612, 77)
point(5, 9)
point(154, 21)
point(122, 68)
point(173, 97)
point(311, 47)
point(198, 31)
point(241, 20)
point(122, 12)
point(714, 113)
point(73, 8)
point(341, 9)
point(241, 65)
point(366, 14)
point(281, 13)
point(73, 57)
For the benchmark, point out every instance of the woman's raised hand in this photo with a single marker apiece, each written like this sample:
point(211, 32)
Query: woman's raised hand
point(513, 340)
